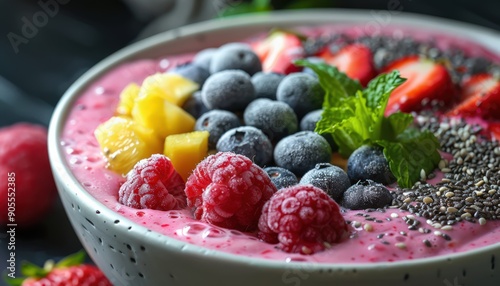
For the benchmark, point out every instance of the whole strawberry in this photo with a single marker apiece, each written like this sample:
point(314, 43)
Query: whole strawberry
point(67, 272)
point(27, 186)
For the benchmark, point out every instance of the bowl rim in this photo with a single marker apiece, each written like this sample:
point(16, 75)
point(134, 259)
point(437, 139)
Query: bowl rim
point(63, 174)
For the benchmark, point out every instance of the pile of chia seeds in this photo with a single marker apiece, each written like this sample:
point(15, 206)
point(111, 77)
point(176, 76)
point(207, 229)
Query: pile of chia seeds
point(470, 188)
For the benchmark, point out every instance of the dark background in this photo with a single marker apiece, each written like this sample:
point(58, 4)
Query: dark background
point(84, 32)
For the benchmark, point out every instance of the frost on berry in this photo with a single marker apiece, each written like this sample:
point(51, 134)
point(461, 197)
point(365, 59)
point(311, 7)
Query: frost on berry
point(153, 183)
point(228, 190)
point(302, 219)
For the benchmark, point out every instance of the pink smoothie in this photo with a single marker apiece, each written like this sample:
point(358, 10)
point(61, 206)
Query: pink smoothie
point(380, 237)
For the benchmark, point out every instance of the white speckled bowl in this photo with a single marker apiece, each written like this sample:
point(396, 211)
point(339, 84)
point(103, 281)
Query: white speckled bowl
point(130, 254)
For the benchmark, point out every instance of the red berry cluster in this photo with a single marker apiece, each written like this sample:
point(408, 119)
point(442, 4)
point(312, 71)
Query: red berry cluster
point(302, 219)
point(153, 183)
point(229, 190)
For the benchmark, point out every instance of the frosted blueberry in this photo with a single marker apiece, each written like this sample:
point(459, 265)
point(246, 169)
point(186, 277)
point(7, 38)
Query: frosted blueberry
point(248, 141)
point(229, 90)
point(301, 151)
point(302, 92)
point(235, 56)
point(366, 194)
point(276, 119)
point(331, 179)
point(216, 122)
point(369, 163)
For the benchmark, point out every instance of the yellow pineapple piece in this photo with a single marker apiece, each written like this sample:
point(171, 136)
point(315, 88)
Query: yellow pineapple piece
point(170, 86)
point(124, 142)
point(127, 97)
point(163, 117)
point(186, 151)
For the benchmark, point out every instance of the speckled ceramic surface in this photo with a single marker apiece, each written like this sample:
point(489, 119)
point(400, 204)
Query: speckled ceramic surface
point(130, 254)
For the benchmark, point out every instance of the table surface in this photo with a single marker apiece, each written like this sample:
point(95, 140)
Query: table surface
point(32, 81)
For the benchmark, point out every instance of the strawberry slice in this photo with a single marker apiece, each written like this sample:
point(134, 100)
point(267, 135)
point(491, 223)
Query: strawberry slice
point(480, 96)
point(494, 129)
point(278, 51)
point(426, 81)
point(355, 60)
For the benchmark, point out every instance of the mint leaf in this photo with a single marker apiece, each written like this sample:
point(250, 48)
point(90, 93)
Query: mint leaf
point(72, 259)
point(331, 117)
point(337, 85)
point(354, 117)
point(395, 124)
point(351, 124)
point(379, 89)
point(243, 8)
point(263, 4)
point(18, 281)
point(412, 152)
point(360, 115)
point(300, 4)
point(29, 269)
point(377, 95)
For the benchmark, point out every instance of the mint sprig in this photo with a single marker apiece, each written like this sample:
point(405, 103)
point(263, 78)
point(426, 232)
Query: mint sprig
point(354, 116)
point(411, 152)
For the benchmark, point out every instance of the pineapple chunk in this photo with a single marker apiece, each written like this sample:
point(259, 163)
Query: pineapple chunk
point(160, 115)
point(170, 86)
point(186, 151)
point(127, 97)
point(124, 142)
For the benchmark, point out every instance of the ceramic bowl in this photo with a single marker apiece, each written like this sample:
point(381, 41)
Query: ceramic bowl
point(130, 254)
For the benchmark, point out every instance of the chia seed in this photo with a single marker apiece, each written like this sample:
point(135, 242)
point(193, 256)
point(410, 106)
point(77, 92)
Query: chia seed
point(427, 243)
point(468, 190)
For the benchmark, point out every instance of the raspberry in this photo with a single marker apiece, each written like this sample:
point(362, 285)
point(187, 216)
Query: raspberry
point(24, 163)
point(153, 183)
point(228, 190)
point(302, 219)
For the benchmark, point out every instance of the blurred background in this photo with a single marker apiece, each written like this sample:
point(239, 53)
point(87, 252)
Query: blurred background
point(47, 44)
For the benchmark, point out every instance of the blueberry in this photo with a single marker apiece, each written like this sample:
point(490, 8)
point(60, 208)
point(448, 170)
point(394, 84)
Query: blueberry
point(276, 119)
point(216, 122)
point(301, 151)
point(302, 92)
point(229, 90)
point(194, 105)
point(266, 84)
point(235, 56)
point(368, 163)
point(308, 123)
point(248, 141)
point(366, 194)
point(281, 177)
point(193, 72)
point(204, 57)
point(331, 179)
